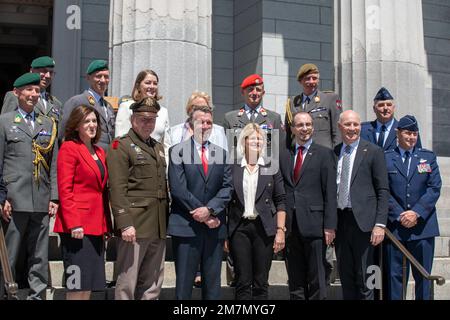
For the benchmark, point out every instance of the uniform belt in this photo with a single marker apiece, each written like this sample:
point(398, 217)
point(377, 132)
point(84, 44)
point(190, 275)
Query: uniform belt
point(157, 194)
point(251, 218)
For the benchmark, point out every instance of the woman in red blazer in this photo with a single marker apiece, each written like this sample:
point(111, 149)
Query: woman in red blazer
point(83, 219)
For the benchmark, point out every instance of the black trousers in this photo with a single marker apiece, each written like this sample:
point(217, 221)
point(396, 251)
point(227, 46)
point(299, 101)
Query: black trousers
point(354, 255)
point(306, 267)
point(252, 251)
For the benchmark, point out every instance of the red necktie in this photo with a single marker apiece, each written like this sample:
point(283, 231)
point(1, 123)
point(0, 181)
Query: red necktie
point(298, 164)
point(204, 161)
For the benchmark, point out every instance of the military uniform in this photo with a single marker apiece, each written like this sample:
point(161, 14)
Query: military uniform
point(106, 122)
point(324, 108)
point(51, 108)
point(139, 198)
point(30, 188)
point(415, 184)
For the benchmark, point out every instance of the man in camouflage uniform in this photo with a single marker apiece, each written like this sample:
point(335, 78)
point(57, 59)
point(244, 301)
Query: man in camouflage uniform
point(139, 200)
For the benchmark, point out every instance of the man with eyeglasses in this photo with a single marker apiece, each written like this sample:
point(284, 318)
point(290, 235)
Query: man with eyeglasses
point(382, 130)
point(309, 174)
point(47, 104)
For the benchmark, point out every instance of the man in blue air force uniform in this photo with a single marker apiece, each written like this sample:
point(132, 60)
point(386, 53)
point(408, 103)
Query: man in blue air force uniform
point(415, 185)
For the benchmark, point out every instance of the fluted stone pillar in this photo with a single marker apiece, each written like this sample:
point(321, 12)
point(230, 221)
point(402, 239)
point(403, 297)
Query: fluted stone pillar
point(171, 37)
point(381, 43)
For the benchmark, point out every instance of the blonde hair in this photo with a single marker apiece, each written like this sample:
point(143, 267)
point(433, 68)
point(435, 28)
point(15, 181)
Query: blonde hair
point(248, 130)
point(135, 94)
point(195, 95)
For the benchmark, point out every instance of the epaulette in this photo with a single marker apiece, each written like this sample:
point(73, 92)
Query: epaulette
point(125, 99)
point(424, 150)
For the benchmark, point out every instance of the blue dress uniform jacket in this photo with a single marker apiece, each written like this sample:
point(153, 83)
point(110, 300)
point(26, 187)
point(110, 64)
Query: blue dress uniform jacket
point(419, 191)
point(369, 133)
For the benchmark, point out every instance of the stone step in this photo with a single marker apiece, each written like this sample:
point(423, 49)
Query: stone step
point(276, 292)
point(442, 247)
point(444, 227)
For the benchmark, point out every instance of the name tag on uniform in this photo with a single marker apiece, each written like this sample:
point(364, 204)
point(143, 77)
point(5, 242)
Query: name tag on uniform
point(393, 172)
point(318, 109)
point(424, 168)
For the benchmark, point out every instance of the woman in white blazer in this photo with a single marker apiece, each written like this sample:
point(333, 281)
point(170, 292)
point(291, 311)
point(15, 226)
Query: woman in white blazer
point(145, 85)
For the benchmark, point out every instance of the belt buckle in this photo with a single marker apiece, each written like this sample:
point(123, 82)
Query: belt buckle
point(250, 217)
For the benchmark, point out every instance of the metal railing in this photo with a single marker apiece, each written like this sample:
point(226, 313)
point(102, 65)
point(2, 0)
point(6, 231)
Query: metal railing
point(414, 264)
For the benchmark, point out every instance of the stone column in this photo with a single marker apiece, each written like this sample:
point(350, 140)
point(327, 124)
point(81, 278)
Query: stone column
point(171, 37)
point(381, 43)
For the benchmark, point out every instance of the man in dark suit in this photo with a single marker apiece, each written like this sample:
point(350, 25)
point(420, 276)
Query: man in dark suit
point(363, 194)
point(200, 185)
point(252, 90)
point(415, 185)
point(309, 174)
point(47, 104)
point(97, 75)
point(323, 106)
point(382, 130)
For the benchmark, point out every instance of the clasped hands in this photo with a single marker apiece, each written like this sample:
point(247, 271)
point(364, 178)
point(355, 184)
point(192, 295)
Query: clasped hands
point(408, 219)
point(203, 215)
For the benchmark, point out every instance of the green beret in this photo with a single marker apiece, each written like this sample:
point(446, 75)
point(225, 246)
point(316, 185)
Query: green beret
point(27, 79)
point(148, 104)
point(97, 65)
point(43, 62)
point(306, 69)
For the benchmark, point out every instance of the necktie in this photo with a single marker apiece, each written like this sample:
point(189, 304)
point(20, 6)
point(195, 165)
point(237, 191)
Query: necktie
point(406, 162)
point(380, 141)
point(28, 119)
point(298, 163)
point(204, 160)
point(307, 100)
point(105, 109)
point(252, 115)
point(344, 181)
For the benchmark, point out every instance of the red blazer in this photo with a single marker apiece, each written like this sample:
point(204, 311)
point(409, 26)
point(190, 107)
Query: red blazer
point(83, 200)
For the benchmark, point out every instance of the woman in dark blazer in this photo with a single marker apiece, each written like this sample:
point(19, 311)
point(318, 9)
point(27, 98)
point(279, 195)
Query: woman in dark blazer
point(256, 216)
point(83, 218)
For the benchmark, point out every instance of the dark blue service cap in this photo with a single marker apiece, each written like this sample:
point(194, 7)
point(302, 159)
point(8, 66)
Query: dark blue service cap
point(383, 94)
point(408, 123)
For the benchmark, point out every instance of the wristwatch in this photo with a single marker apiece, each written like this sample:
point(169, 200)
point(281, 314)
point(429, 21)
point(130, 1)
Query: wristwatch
point(282, 229)
point(211, 211)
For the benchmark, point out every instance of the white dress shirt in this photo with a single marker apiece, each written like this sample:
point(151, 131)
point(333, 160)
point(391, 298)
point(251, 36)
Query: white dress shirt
point(249, 185)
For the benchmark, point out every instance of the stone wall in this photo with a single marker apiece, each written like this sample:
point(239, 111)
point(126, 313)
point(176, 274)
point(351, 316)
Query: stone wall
point(436, 26)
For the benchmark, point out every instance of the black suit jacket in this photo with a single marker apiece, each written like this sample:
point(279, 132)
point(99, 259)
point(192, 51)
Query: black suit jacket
point(369, 185)
point(270, 198)
point(313, 198)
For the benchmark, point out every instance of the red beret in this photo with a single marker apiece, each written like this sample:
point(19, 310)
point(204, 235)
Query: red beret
point(252, 80)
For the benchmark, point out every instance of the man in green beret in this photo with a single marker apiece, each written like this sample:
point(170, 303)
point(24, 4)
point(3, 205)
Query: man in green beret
point(47, 104)
point(139, 201)
point(28, 165)
point(97, 75)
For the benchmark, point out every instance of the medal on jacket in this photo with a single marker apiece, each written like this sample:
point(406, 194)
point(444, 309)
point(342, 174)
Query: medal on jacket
point(91, 100)
point(316, 99)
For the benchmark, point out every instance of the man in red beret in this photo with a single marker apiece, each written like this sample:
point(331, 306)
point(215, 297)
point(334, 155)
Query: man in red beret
point(252, 90)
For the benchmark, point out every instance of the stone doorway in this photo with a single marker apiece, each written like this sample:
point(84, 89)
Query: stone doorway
point(25, 33)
